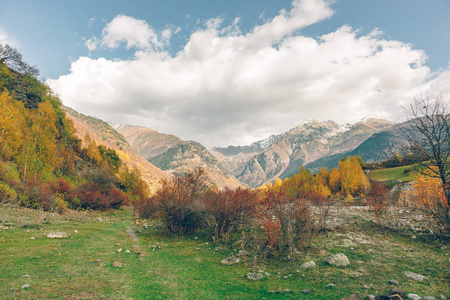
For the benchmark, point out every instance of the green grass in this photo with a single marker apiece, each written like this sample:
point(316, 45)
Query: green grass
point(393, 174)
point(189, 268)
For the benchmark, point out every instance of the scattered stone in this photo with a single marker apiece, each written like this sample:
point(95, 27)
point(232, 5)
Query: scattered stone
point(308, 265)
point(266, 274)
point(25, 286)
point(98, 260)
point(413, 297)
point(397, 291)
point(242, 253)
point(357, 274)
point(366, 286)
point(196, 238)
point(232, 260)
point(287, 276)
point(128, 251)
point(92, 237)
point(119, 250)
point(371, 297)
point(395, 297)
point(430, 269)
point(339, 260)
point(26, 276)
point(100, 219)
point(307, 291)
point(9, 224)
point(117, 264)
point(57, 235)
point(415, 276)
point(197, 249)
point(254, 276)
point(76, 231)
point(32, 238)
point(428, 298)
point(393, 281)
point(280, 290)
point(331, 285)
point(352, 297)
point(414, 237)
point(443, 297)
point(117, 244)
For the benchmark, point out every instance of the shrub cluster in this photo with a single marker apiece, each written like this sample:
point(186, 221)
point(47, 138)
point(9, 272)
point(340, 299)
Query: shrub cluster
point(188, 202)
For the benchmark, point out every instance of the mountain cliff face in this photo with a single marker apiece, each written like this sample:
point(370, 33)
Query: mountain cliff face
point(174, 155)
point(192, 154)
point(102, 133)
point(145, 141)
point(234, 158)
point(305, 144)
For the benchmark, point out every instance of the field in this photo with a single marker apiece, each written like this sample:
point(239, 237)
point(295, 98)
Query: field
point(393, 174)
point(160, 267)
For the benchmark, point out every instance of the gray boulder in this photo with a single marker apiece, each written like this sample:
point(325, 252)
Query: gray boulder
point(339, 260)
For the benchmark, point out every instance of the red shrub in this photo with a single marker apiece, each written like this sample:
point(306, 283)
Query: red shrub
point(228, 209)
point(378, 199)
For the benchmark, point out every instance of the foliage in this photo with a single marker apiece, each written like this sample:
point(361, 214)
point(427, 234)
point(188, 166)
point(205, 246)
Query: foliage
point(430, 197)
point(38, 146)
point(428, 134)
point(179, 202)
point(228, 209)
point(378, 198)
point(287, 222)
point(7, 194)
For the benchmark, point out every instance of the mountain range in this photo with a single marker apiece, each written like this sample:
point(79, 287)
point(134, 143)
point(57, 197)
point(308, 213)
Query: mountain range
point(314, 144)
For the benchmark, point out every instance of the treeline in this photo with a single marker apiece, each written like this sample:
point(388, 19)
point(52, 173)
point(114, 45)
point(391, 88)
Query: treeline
point(347, 181)
point(42, 162)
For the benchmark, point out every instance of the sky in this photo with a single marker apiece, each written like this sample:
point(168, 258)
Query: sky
point(236, 71)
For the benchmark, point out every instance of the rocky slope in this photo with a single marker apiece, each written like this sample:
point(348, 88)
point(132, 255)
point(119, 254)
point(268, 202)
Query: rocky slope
point(102, 133)
point(174, 155)
point(145, 141)
point(234, 158)
point(192, 154)
point(305, 144)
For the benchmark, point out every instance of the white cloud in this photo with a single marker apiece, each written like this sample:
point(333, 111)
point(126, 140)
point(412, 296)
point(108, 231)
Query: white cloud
point(227, 87)
point(91, 21)
point(124, 29)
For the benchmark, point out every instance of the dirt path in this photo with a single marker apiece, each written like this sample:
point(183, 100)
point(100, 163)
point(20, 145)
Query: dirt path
point(135, 239)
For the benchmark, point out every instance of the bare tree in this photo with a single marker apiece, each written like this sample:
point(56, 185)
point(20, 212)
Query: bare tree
point(428, 135)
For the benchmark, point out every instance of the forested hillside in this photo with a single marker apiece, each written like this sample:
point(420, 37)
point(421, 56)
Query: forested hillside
point(42, 162)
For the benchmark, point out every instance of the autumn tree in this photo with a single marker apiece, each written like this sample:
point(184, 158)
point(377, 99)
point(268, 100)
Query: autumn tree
point(378, 198)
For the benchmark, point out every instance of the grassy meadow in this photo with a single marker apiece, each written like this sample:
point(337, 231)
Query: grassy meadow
point(81, 266)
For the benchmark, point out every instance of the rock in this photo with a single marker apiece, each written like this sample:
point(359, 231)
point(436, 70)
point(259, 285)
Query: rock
point(128, 251)
point(397, 291)
point(339, 260)
point(352, 297)
point(119, 250)
point(57, 235)
point(308, 265)
point(32, 238)
point(307, 291)
point(331, 285)
point(76, 231)
point(9, 224)
point(25, 286)
point(254, 276)
point(266, 274)
point(242, 253)
point(280, 290)
point(370, 297)
point(428, 298)
point(393, 281)
point(117, 264)
point(430, 269)
point(98, 260)
point(26, 276)
point(99, 219)
point(413, 297)
point(232, 260)
point(415, 276)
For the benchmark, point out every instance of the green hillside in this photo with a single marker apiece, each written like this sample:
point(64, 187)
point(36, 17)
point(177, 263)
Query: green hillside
point(404, 173)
